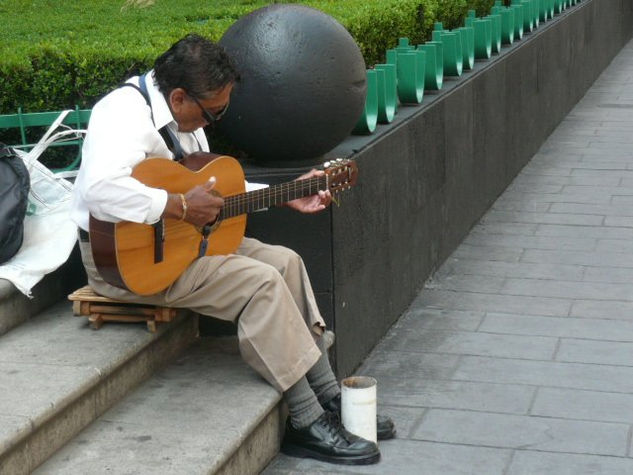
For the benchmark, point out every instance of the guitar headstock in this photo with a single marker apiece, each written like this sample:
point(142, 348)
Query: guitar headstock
point(341, 174)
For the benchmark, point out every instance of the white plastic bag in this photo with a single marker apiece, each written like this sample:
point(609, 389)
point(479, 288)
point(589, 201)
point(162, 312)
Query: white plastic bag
point(49, 233)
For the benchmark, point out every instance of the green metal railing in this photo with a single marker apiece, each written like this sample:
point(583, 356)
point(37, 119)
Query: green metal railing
point(77, 119)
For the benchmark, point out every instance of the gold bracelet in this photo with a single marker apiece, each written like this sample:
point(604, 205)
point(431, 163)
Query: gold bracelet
point(184, 207)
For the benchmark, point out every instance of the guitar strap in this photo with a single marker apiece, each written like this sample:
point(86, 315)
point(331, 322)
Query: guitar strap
point(172, 142)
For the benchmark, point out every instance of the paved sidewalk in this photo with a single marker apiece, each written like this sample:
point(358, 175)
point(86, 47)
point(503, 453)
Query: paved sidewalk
point(517, 358)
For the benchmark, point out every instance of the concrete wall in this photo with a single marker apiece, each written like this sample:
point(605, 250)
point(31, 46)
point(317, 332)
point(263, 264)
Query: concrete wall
point(428, 177)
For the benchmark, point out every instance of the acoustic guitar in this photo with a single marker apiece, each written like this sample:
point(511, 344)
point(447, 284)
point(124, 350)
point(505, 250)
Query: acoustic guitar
point(146, 259)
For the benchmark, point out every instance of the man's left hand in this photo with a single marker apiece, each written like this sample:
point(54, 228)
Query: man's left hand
point(314, 203)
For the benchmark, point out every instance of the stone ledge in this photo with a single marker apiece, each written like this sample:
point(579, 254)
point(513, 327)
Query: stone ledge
point(207, 412)
point(62, 375)
point(16, 307)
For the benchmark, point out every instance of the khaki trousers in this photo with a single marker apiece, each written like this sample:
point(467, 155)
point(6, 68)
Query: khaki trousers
point(264, 288)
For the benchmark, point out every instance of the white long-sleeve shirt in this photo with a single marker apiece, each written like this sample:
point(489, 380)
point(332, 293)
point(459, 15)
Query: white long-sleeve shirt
point(120, 135)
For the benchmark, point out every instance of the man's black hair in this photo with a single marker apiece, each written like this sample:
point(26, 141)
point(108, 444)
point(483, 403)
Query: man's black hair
point(195, 64)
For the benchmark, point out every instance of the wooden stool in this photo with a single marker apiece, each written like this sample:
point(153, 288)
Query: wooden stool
point(101, 309)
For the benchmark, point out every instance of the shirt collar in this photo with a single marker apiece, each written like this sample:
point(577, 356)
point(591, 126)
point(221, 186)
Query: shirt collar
point(160, 109)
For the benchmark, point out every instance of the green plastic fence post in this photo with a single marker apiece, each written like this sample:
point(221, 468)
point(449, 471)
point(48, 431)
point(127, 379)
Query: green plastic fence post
point(410, 88)
point(468, 46)
point(367, 122)
point(558, 6)
point(542, 10)
point(434, 76)
point(404, 43)
point(392, 56)
point(452, 52)
point(528, 20)
point(387, 109)
point(483, 38)
point(404, 46)
point(518, 20)
point(495, 21)
point(536, 11)
point(421, 71)
point(507, 24)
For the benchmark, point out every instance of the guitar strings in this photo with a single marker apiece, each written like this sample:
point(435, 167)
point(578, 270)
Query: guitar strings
point(240, 204)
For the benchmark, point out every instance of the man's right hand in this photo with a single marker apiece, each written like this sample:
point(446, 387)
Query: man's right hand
point(203, 204)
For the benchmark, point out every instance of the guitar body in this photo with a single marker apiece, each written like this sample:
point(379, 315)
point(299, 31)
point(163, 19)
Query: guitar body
point(124, 252)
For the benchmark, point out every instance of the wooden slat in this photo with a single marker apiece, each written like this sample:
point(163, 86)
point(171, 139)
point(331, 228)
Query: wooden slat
point(100, 309)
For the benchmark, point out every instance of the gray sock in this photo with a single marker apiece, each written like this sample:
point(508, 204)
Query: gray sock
point(321, 377)
point(303, 406)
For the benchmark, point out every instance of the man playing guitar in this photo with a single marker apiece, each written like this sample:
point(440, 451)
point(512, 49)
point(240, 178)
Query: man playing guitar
point(264, 289)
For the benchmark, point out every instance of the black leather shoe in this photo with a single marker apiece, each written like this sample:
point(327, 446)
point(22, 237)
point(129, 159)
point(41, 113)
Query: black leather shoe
point(327, 440)
point(385, 427)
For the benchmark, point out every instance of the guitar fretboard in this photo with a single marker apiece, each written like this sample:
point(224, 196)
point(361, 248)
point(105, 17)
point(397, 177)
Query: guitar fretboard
point(272, 196)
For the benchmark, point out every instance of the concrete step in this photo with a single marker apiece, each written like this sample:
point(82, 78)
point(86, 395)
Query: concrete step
point(207, 412)
point(16, 307)
point(58, 375)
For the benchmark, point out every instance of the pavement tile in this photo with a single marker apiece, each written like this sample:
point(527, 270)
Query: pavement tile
point(494, 303)
point(419, 317)
point(609, 310)
point(526, 462)
point(407, 457)
point(546, 373)
point(515, 205)
point(588, 208)
point(385, 363)
point(487, 253)
point(583, 405)
point(622, 221)
point(465, 283)
point(531, 242)
point(566, 180)
point(526, 270)
point(513, 431)
point(602, 259)
point(614, 245)
point(568, 290)
point(561, 197)
point(593, 329)
point(608, 274)
point(597, 352)
point(531, 187)
point(505, 228)
point(601, 232)
point(411, 391)
point(496, 216)
point(475, 343)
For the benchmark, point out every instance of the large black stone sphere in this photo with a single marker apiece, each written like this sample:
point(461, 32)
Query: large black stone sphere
point(302, 88)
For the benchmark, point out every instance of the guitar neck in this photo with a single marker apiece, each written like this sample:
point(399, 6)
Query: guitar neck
point(274, 195)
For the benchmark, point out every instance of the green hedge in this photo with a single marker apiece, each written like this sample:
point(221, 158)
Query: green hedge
point(58, 53)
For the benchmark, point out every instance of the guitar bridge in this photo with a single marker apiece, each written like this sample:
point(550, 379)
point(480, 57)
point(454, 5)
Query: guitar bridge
point(159, 241)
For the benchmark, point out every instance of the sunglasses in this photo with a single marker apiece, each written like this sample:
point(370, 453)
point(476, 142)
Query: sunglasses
point(208, 115)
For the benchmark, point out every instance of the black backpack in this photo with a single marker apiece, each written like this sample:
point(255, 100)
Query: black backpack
point(14, 191)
